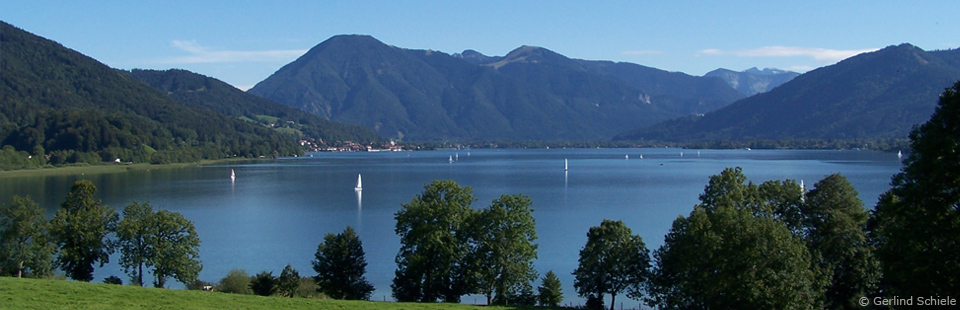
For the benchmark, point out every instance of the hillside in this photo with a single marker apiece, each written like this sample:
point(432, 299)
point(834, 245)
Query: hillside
point(753, 81)
point(61, 294)
point(210, 93)
point(881, 94)
point(59, 104)
point(529, 94)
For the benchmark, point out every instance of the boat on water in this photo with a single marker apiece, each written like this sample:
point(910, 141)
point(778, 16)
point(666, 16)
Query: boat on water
point(899, 154)
point(359, 184)
point(451, 159)
point(565, 164)
point(233, 175)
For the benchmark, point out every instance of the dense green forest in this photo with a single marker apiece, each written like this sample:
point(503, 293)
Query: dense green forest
point(58, 106)
point(195, 89)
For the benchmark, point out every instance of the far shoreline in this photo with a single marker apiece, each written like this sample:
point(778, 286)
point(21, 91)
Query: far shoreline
point(107, 168)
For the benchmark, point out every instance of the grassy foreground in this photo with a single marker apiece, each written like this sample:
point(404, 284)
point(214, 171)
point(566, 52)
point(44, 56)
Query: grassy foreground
point(57, 294)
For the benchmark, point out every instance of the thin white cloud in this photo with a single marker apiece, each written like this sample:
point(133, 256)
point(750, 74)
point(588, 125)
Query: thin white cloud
point(201, 54)
point(823, 55)
point(641, 53)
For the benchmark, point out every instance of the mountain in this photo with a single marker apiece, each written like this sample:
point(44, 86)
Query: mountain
point(529, 94)
point(207, 92)
point(59, 104)
point(881, 94)
point(753, 81)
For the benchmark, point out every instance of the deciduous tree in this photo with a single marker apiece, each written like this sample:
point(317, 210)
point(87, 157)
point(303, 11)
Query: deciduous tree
point(433, 244)
point(24, 242)
point(340, 265)
point(81, 230)
point(835, 223)
point(502, 247)
point(613, 261)
point(164, 241)
point(731, 252)
point(915, 225)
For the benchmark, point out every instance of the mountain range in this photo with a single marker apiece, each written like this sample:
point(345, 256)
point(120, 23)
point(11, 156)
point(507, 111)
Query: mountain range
point(63, 107)
point(531, 93)
point(880, 94)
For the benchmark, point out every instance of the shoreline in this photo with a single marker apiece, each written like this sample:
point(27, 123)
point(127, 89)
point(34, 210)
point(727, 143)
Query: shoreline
point(112, 168)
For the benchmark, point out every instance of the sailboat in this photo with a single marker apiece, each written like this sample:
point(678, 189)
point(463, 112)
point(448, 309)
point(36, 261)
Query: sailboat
point(451, 159)
point(564, 164)
point(233, 175)
point(899, 154)
point(359, 184)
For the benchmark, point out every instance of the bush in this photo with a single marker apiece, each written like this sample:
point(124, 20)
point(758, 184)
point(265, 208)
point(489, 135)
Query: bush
point(113, 280)
point(264, 284)
point(236, 282)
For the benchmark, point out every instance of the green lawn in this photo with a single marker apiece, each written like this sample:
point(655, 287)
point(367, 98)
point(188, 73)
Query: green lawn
point(58, 294)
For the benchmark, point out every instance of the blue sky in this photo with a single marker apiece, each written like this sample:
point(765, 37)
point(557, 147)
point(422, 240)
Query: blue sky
point(243, 42)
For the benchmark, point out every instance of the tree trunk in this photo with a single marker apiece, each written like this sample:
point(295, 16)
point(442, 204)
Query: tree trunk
point(140, 275)
point(20, 270)
point(613, 300)
point(489, 298)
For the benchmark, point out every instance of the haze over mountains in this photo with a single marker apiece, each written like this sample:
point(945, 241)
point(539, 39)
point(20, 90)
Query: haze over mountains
point(56, 99)
point(880, 94)
point(529, 94)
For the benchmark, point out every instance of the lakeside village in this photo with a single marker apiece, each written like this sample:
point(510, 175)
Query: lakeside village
point(315, 145)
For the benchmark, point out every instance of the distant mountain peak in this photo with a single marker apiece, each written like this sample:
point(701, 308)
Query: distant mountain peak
point(753, 81)
point(529, 54)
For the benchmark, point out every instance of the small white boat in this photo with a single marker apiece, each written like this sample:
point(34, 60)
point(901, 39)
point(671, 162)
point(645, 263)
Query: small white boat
point(359, 184)
point(451, 159)
point(233, 175)
point(626, 156)
point(565, 164)
point(641, 156)
point(899, 154)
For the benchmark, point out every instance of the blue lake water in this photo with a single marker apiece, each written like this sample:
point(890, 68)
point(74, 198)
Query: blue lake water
point(276, 213)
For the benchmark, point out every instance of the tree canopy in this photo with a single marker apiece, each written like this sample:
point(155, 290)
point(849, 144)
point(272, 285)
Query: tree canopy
point(502, 247)
point(731, 252)
point(433, 244)
point(613, 261)
point(916, 223)
point(81, 230)
point(340, 265)
point(25, 246)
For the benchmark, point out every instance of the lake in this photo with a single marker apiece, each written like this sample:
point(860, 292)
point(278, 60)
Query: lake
point(276, 213)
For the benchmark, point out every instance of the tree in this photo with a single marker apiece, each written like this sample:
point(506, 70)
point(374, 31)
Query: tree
point(731, 252)
point(835, 223)
point(80, 229)
point(289, 282)
point(340, 265)
point(502, 247)
point(24, 243)
point(237, 281)
point(113, 280)
point(433, 244)
point(613, 261)
point(264, 284)
point(550, 290)
point(132, 233)
point(177, 249)
point(915, 225)
point(162, 240)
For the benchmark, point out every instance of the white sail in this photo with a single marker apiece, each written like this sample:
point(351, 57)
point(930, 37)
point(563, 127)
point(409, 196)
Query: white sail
point(564, 164)
point(359, 183)
point(899, 154)
point(233, 175)
point(451, 159)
